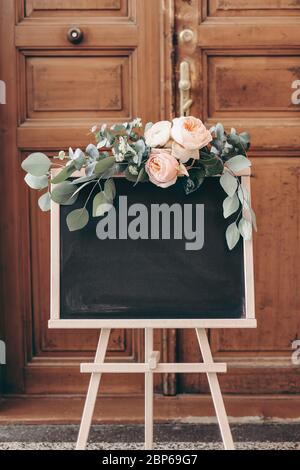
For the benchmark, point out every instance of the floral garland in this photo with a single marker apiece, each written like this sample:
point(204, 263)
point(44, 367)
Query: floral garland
point(160, 154)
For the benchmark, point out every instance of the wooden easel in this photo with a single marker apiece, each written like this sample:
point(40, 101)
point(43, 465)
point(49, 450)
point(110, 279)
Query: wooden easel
point(150, 367)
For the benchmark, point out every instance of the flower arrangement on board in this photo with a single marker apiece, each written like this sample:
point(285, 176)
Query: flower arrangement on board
point(160, 153)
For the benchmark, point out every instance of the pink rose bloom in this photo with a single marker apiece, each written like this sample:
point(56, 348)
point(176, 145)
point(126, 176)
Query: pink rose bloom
point(190, 133)
point(162, 168)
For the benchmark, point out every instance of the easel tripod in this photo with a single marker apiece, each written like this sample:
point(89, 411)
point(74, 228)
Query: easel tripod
point(150, 367)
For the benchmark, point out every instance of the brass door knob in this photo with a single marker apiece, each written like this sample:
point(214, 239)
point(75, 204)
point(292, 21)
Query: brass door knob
point(187, 35)
point(75, 35)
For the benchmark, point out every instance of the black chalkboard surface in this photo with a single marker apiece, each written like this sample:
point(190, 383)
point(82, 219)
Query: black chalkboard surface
point(152, 279)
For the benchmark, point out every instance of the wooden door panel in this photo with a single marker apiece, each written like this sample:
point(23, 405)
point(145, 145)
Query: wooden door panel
point(253, 90)
point(253, 32)
point(253, 7)
point(48, 35)
point(67, 8)
point(252, 85)
point(97, 87)
point(114, 51)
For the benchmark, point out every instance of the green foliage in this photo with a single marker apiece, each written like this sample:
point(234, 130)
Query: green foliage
point(64, 174)
point(195, 179)
point(245, 229)
point(77, 219)
point(92, 152)
point(104, 165)
point(101, 205)
point(229, 183)
point(45, 202)
point(130, 177)
point(231, 205)
point(121, 149)
point(63, 193)
point(238, 163)
point(110, 190)
point(37, 164)
point(36, 182)
point(142, 176)
point(213, 165)
point(232, 236)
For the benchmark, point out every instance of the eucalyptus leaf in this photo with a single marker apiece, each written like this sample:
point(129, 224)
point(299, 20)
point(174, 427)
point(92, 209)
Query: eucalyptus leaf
point(101, 205)
point(229, 183)
point(99, 199)
point(245, 139)
point(79, 159)
point(64, 174)
point(214, 151)
point(70, 201)
point(84, 179)
point(129, 176)
point(244, 196)
point(220, 132)
point(77, 219)
point(104, 165)
point(92, 151)
point(111, 172)
point(71, 153)
point(104, 209)
point(119, 128)
point(140, 148)
point(110, 190)
point(213, 166)
point(230, 206)
point(45, 202)
point(89, 170)
point(233, 139)
point(36, 182)
point(238, 163)
point(37, 164)
point(232, 236)
point(81, 187)
point(195, 179)
point(104, 155)
point(102, 144)
point(63, 192)
point(245, 228)
point(142, 176)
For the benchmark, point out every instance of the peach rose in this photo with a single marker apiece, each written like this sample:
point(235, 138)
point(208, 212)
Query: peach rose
point(163, 169)
point(184, 155)
point(190, 133)
point(159, 134)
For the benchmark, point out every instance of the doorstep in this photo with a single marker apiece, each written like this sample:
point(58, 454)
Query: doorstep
point(130, 409)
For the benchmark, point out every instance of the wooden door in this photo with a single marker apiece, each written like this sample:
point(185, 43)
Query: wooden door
point(56, 91)
point(245, 61)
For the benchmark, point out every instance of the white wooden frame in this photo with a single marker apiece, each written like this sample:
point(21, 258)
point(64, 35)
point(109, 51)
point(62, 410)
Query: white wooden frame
point(186, 323)
point(151, 365)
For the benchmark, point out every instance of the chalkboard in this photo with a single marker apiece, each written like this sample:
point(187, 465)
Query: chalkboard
point(152, 279)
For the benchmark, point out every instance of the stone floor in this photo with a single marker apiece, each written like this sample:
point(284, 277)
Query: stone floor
point(261, 436)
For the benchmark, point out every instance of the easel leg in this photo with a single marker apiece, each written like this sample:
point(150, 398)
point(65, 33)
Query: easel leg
point(91, 397)
point(148, 392)
point(215, 391)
